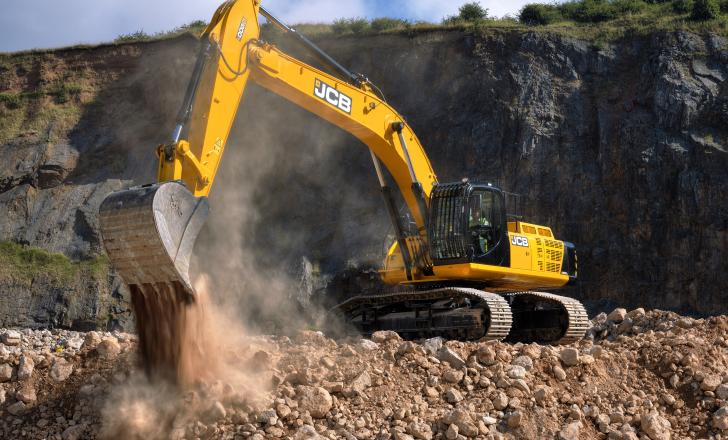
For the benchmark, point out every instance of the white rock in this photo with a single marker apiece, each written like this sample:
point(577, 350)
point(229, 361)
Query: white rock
point(25, 368)
point(91, 340)
point(316, 400)
point(453, 396)
point(514, 419)
point(500, 402)
point(656, 427)
point(722, 391)
point(108, 348)
point(420, 430)
point(452, 432)
point(216, 411)
point(720, 418)
point(524, 361)
point(361, 382)
point(710, 382)
point(486, 355)
point(617, 315)
point(570, 431)
point(383, 336)
point(453, 376)
point(74, 432)
point(26, 394)
point(368, 345)
point(559, 372)
point(11, 337)
point(445, 354)
point(6, 372)
point(636, 313)
point(488, 420)
point(516, 372)
point(61, 370)
point(433, 345)
point(307, 432)
point(596, 351)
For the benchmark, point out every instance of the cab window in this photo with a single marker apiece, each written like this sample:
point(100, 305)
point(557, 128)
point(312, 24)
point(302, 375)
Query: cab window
point(484, 222)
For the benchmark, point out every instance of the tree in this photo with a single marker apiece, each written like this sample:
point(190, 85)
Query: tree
point(472, 12)
point(468, 13)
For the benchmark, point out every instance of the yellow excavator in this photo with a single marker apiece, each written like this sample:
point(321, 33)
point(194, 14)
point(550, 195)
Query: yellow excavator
point(465, 271)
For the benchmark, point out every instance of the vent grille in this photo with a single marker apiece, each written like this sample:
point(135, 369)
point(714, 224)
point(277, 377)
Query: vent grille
point(549, 255)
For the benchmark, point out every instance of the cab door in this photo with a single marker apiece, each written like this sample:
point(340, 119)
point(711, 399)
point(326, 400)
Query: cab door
point(487, 236)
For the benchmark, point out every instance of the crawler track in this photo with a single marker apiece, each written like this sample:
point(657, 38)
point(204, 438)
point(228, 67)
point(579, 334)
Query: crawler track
point(467, 313)
point(483, 315)
point(547, 318)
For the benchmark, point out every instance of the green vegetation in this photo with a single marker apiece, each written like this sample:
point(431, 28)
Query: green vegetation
point(538, 14)
point(196, 27)
point(705, 10)
point(468, 13)
point(596, 20)
point(640, 13)
point(57, 104)
point(682, 6)
point(28, 263)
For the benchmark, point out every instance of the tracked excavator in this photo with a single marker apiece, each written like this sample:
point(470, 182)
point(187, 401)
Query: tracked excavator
point(465, 271)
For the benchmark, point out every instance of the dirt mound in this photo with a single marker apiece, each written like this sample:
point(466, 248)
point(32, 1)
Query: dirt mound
point(651, 375)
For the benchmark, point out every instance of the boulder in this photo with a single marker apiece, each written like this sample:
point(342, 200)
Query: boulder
point(316, 400)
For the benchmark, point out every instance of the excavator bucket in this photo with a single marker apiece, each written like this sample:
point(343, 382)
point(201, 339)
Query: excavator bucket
point(149, 233)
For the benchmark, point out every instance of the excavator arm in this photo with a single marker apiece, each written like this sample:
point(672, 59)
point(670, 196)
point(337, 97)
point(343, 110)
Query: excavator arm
point(149, 231)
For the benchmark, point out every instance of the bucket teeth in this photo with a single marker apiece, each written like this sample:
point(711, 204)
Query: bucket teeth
point(149, 232)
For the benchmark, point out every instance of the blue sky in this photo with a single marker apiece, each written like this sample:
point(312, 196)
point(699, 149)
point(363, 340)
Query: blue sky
point(28, 24)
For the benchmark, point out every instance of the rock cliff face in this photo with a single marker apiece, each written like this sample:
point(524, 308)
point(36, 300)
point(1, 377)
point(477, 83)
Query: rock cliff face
point(622, 148)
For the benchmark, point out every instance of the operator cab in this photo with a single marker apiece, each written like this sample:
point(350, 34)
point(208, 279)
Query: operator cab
point(468, 224)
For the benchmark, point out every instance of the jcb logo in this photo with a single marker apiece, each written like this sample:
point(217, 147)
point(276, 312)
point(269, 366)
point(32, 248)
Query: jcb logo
point(517, 240)
point(241, 29)
point(332, 96)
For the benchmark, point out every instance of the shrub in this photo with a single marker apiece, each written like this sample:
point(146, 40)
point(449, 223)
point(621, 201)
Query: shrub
point(383, 24)
point(64, 92)
point(624, 7)
point(724, 6)
point(11, 100)
point(350, 26)
point(705, 10)
point(468, 13)
point(473, 12)
point(538, 14)
point(589, 11)
point(134, 36)
point(682, 6)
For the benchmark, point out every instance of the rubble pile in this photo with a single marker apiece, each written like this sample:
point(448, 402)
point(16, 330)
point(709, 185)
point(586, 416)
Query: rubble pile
point(636, 375)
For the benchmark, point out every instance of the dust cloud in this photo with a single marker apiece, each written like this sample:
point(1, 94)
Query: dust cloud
point(277, 196)
point(211, 360)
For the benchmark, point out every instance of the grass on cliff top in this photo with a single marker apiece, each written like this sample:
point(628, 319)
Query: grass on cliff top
point(594, 20)
point(28, 263)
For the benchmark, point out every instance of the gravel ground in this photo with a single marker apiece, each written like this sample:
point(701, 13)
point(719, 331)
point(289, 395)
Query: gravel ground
point(638, 375)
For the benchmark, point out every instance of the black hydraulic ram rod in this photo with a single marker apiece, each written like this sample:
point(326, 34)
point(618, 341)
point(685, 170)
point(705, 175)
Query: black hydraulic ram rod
point(308, 44)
